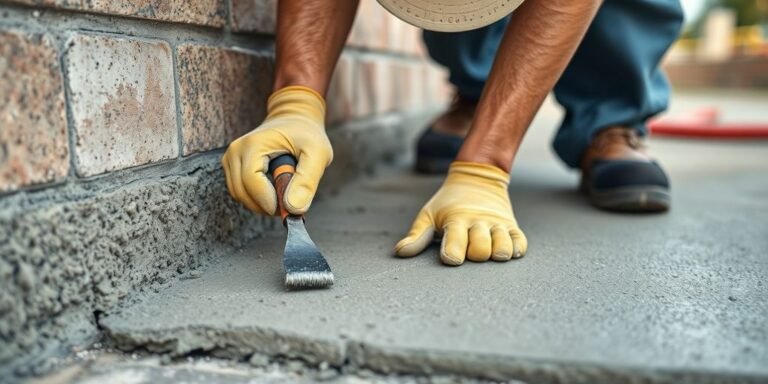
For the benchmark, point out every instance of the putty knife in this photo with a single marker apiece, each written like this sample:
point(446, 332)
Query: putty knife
point(305, 267)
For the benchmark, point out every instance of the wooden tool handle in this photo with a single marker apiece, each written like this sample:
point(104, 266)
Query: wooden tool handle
point(282, 168)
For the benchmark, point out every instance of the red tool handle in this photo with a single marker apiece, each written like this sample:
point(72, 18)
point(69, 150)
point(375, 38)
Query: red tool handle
point(282, 169)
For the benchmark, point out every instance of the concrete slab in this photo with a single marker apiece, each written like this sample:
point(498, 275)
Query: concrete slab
point(101, 366)
point(601, 297)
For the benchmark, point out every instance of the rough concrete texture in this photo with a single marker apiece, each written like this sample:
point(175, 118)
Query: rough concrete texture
point(33, 138)
point(122, 100)
point(72, 252)
point(104, 366)
point(254, 15)
point(600, 298)
point(222, 94)
point(204, 12)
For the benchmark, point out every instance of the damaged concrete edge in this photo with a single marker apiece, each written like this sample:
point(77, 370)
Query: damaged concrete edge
point(240, 343)
point(232, 343)
point(497, 367)
point(70, 253)
point(82, 248)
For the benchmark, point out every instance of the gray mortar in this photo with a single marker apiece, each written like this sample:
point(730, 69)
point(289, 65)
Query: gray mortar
point(74, 250)
point(60, 22)
point(70, 252)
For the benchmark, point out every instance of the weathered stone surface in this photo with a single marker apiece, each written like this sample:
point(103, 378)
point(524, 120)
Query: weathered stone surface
point(223, 94)
point(122, 102)
point(33, 136)
point(254, 15)
point(203, 12)
point(69, 252)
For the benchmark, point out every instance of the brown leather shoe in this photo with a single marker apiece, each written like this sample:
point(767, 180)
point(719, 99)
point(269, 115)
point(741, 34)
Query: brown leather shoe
point(440, 143)
point(457, 119)
point(618, 175)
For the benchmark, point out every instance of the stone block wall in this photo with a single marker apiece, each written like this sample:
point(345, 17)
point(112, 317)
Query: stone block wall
point(113, 117)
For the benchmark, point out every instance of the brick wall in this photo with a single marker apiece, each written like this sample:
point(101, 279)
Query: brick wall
point(85, 97)
point(113, 115)
point(737, 72)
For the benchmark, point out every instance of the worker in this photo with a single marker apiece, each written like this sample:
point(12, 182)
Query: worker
point(601, 58)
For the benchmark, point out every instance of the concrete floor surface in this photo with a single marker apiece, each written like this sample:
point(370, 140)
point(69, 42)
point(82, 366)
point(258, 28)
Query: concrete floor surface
point(600, 297)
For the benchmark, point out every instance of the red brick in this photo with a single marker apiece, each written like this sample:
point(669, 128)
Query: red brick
point(122, 102)
point(406, 77)
point(377, 29)
point(203, 12)
point(403, 37)
point(371, 28)
point(411, 42)
point(223, 94)
point(33, 138)
point(340, 99)
point(375, 91)
point(254, 15)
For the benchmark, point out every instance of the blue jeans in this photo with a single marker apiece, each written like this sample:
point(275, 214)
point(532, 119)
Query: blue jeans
point(613, 79)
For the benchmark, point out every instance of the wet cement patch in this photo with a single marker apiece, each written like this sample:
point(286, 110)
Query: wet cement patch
point(600, 297)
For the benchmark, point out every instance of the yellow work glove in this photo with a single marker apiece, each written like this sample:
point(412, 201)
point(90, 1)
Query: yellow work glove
point(295, 124)
point(474, 215)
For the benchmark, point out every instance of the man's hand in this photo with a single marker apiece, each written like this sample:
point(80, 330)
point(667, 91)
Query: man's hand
point(295, 124)
point(473, 212)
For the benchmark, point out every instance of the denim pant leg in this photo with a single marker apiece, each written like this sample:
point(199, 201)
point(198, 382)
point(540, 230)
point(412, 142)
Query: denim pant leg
point(614, 77)
point(468, 56)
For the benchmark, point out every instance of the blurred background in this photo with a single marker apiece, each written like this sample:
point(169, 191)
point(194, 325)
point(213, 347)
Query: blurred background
point(719, 69)
point(114, 116)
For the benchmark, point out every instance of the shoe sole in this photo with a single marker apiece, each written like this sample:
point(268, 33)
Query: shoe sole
point(432, 165)
point(632, 199)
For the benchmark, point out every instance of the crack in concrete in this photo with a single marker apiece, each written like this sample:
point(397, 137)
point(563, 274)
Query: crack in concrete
point(350, 356)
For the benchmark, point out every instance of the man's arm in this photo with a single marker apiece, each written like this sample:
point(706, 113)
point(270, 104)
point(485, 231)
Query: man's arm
point(310, 37)
point(539, 42)
point(472, 208)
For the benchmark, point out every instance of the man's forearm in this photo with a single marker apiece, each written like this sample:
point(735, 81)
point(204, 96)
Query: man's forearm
point(310, 37)
point(538, 44)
